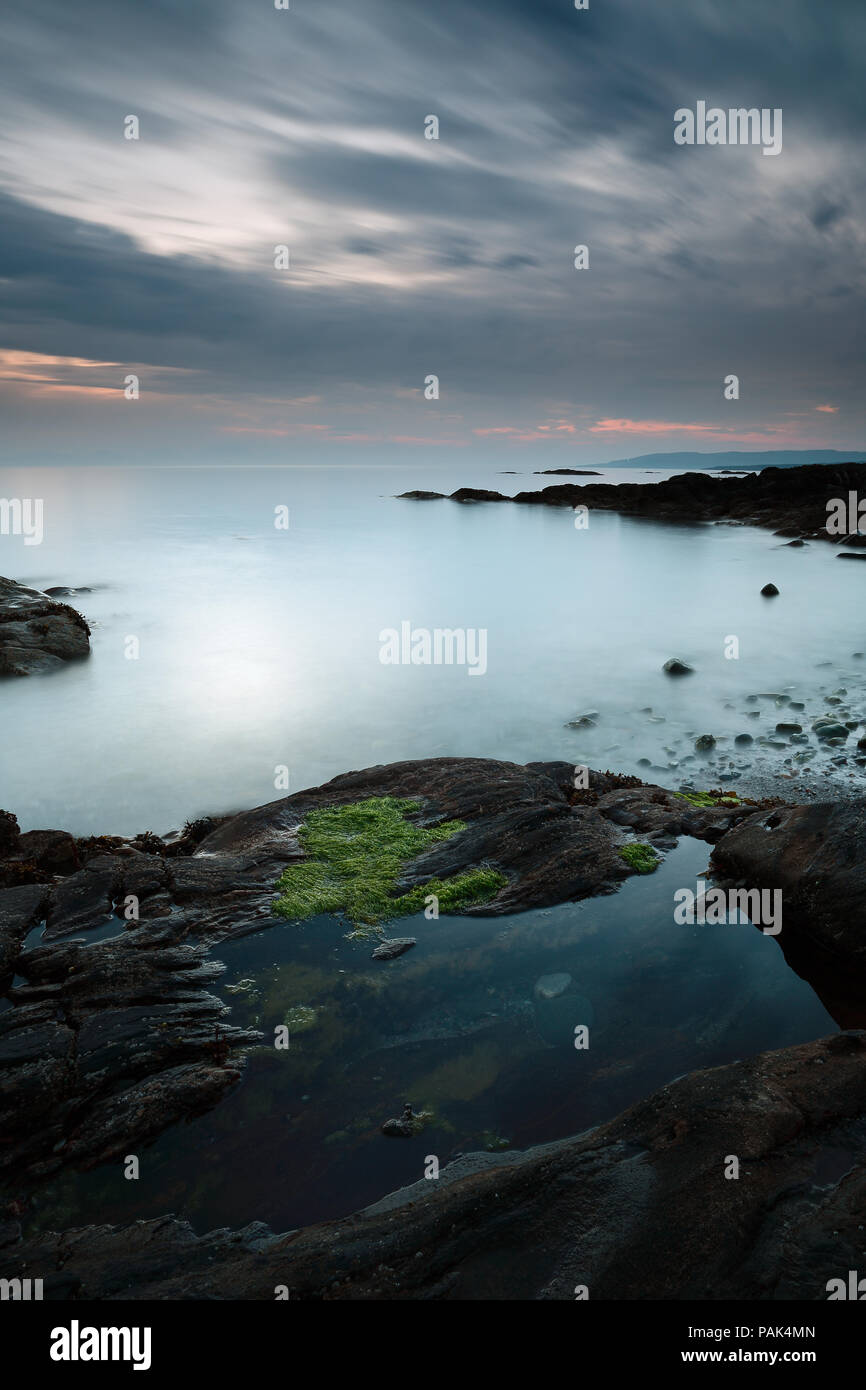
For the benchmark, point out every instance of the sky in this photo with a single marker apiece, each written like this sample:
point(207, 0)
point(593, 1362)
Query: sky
point(411, 257)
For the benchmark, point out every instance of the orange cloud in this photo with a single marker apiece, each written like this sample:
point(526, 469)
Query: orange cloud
point(829, 409)
point(651, 427)
point(44, 374)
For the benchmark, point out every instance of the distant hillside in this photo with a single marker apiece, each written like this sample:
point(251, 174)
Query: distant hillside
point(769, 458)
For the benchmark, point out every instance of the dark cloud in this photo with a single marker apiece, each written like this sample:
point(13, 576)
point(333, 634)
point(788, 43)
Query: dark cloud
point(411, 256)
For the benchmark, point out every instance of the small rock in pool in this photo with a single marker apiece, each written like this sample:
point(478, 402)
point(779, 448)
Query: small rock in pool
point(674, 667)
point(743, 739)
point(409, 1124)
point(389, 950)
point(551, 986)
point(769, 591)
point(705, 743)
point(789, 729)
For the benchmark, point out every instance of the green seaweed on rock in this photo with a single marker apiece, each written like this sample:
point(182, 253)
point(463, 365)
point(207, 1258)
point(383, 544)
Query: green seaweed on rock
point(642, 858)
point(355, 856)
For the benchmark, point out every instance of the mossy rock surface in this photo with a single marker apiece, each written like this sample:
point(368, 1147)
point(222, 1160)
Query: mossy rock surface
point(355, 856)
point(641, 858)
point(713, 798)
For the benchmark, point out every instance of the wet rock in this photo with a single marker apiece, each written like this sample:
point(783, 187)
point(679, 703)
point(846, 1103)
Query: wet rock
point(769, 591)
point(37, 633)
point(675, 667)
point(789, 728)
point(705, 743)
point(826, 729)
point(743, 740)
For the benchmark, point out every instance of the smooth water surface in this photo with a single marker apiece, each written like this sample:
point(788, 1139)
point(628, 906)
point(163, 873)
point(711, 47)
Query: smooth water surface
point(259, 649)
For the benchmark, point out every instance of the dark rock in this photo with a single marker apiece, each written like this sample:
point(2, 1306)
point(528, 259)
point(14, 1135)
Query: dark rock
point(9, 834)
point(52, 851)
point(37, 633)
point(705, 743)
point(790, 501)
point(814, 854)
point(674, 667)
point(769, 591)
point(825, 729)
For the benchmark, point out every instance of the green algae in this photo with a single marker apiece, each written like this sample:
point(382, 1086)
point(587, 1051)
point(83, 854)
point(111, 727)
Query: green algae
point(642, 858)
point(709, 799)
point(355, 856)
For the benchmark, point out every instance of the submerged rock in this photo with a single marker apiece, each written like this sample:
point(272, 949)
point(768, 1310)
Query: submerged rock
point(409, 1124)
point(551, 986)
point(395, 946)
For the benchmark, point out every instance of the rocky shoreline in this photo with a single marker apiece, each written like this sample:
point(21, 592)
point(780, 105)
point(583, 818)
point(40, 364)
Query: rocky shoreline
point(792, 502)
point(109, 1034)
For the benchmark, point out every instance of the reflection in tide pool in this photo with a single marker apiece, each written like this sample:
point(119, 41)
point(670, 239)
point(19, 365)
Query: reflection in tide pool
point(466, 1026)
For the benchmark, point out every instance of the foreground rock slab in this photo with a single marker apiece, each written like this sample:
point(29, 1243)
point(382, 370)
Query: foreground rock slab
point(638, 1208)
